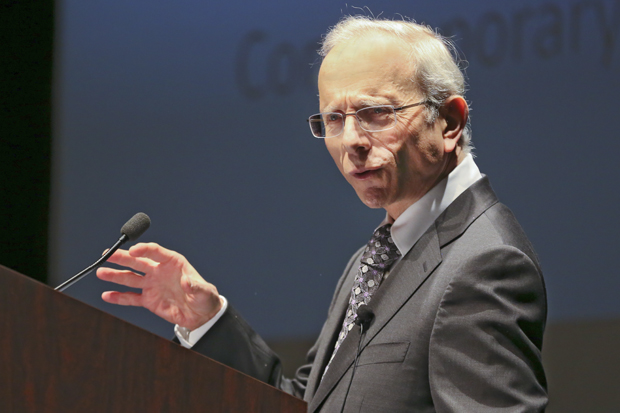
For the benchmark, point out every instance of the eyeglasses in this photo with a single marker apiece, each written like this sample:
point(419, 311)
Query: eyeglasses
point(371, 119)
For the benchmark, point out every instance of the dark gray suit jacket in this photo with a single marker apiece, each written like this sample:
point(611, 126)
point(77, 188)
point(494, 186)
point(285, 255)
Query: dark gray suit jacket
point(458, 326)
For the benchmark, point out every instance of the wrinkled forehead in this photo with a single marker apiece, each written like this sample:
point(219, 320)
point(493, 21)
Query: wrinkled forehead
point(368, 64)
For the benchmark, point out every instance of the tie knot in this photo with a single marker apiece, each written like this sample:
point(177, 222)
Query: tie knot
point(383, 232)
point(381, 251)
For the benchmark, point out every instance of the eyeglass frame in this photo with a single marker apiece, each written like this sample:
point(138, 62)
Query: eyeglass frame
point(344, 117)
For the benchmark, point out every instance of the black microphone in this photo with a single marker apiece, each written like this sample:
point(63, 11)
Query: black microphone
point(131, 231)
point(364, 318)
point(136, 226)
point(365, 315)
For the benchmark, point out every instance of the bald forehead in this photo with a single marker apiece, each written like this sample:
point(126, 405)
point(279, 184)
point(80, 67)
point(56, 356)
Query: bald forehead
point(368, 48)
point(371, 63)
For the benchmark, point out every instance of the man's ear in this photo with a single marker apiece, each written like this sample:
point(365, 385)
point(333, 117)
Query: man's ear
point(455, 113)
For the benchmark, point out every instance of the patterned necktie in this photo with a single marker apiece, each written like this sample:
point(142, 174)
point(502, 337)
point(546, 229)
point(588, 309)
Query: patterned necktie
point(378, 257)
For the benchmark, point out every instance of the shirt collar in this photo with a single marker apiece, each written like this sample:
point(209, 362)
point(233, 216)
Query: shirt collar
point(416, 219)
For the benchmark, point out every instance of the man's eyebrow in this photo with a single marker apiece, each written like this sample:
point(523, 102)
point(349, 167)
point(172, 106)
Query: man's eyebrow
point(363, 102)
point(375, 101)
point(328, 108)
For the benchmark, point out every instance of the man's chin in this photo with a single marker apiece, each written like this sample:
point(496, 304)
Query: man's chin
point(372, 198)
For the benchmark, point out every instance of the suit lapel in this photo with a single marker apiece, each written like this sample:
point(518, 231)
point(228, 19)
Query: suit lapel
point(403, 281)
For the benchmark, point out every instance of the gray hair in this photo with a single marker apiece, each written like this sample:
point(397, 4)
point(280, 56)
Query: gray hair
point(433, 58)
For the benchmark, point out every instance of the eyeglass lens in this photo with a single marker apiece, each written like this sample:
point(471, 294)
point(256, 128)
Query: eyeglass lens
point(371, 119)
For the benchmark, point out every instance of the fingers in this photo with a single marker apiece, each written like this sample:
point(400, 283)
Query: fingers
point(128, 298)
point(122, 277)
point(122, 257)
point(154, 252)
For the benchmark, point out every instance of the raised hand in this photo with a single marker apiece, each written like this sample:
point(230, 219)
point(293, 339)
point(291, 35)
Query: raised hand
point(171, 287)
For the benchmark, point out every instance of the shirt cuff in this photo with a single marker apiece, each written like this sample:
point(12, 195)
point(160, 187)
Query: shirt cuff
point(188, 338)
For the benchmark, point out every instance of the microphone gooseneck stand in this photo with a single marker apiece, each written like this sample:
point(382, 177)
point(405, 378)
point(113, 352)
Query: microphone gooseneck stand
point(124, 238)
point(132, 230)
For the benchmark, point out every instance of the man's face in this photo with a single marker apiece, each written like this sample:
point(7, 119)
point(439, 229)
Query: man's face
point(390, 169)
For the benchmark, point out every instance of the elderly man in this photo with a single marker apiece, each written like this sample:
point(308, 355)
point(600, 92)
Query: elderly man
point(456, 296)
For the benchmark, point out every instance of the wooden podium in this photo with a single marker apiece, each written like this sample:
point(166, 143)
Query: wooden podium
point(58, 354)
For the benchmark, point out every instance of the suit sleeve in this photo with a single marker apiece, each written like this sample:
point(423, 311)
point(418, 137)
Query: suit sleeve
point(231, 341)
point(485, 356)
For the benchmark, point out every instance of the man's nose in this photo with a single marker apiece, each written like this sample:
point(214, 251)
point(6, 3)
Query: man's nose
point(354, 138)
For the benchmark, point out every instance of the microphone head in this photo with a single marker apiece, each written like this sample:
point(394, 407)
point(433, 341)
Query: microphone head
point(365, 315)
point(136, 226)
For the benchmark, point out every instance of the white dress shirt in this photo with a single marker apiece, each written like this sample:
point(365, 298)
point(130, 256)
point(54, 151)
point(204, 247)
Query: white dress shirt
point(189, 338)
point(415, 220)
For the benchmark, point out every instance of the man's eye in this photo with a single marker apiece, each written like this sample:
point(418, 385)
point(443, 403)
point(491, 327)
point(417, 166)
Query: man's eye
point(332, 117)
point(378, 110)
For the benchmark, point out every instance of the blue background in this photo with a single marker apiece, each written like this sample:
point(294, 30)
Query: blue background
point(194, 113)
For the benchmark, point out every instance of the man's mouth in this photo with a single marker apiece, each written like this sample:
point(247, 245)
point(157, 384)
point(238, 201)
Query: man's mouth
point(364, 173)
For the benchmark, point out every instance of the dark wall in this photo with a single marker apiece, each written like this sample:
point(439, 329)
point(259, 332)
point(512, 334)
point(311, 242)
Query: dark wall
point(26, 52)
